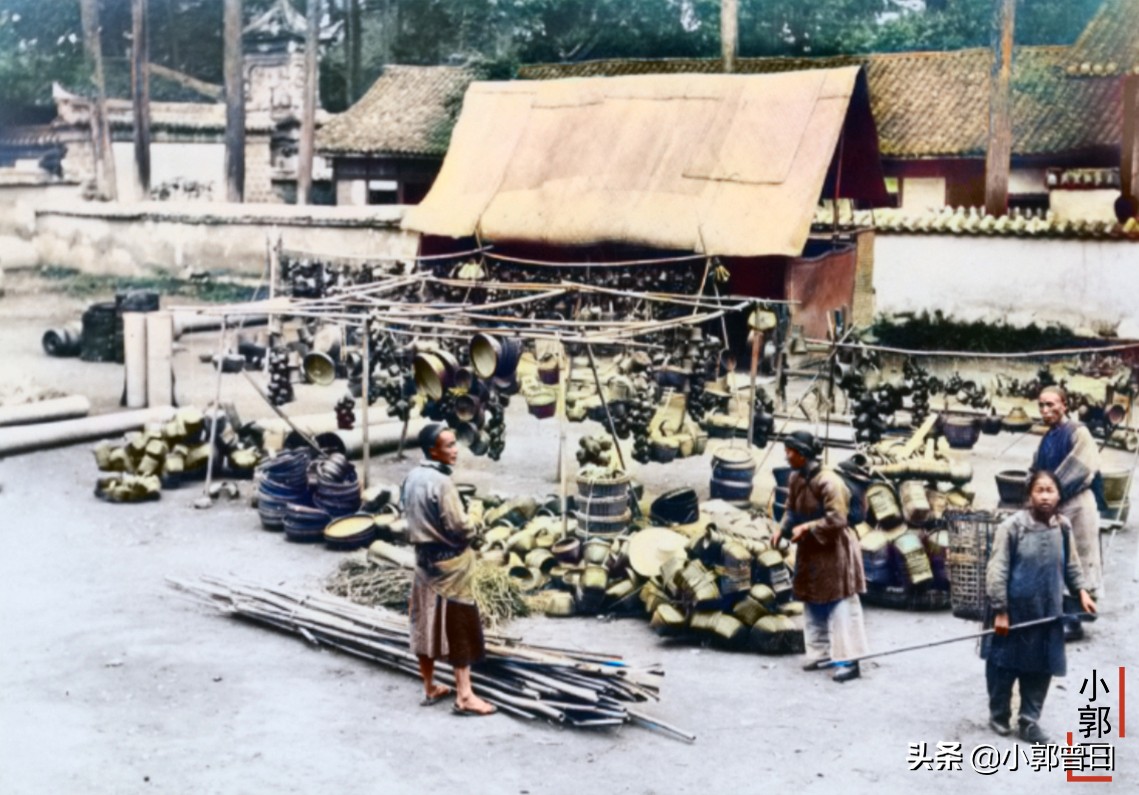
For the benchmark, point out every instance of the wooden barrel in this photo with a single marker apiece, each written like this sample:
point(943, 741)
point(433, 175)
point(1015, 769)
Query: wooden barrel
point(603, 505)
point(102, 334)
point(733, 464)
point(604, 526)
point(733, 471)
point(779, 503)
point(616, 486)
point(731, 490)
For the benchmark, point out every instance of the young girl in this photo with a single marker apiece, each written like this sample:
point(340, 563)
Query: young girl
point(1033, 558)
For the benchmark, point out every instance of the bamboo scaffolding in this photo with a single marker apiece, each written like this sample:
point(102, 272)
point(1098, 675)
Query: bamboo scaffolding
point(580, 689)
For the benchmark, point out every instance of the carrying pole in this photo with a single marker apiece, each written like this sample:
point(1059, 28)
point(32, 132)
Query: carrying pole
point(1034, 623)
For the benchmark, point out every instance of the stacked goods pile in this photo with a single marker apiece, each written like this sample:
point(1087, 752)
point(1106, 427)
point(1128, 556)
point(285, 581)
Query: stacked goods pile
point(162, 455)
point(723, 583)
point(714, 578)
point(729, 418)
point(310, 276)
point(100, 338)
point(645, 399)
point(672, 432)
point(281, 367)
point(579, 689)
point(301, 493)
point(602, 500)
point(908, 488)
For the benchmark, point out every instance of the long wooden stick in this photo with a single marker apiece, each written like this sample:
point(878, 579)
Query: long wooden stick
point(1034, 623)
point(217, 407)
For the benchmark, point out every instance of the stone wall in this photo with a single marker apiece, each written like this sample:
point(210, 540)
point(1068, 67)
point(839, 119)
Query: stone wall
point(133, 239)
point(20, 193)
point(258, 170)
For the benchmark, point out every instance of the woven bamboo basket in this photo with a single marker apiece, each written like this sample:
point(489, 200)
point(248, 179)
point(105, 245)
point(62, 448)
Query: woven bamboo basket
point(970, 542)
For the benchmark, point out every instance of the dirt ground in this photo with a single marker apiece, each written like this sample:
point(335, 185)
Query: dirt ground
point(112, 682)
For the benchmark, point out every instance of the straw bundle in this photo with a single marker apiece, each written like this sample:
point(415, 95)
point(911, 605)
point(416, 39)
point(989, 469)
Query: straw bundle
point(366, 582)
point(371, 584)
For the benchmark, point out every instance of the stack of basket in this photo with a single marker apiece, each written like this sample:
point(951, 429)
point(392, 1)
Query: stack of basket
point(603, 503)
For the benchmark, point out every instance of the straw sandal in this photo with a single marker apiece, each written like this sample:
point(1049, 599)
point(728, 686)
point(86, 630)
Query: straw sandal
point(435, 699)
point(465, 712)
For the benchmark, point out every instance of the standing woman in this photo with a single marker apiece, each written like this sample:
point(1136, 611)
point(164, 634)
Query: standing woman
point(1032, 559)
point(828, 561)
point(1069, 452)
point(445, 623)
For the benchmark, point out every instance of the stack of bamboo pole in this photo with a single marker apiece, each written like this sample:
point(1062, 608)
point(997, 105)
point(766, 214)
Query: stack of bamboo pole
point(572, 688)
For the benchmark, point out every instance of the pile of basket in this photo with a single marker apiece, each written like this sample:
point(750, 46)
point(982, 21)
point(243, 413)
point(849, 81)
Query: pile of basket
point(904, 551)
point(301, 494)
point(164, 454)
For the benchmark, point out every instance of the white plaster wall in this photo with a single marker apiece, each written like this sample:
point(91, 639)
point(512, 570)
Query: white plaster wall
point(18, 203)
point(352, 192)
point(129, 239)
point(1083, 205)
point(202, 162)
point(922, 194)
point(1083, 284)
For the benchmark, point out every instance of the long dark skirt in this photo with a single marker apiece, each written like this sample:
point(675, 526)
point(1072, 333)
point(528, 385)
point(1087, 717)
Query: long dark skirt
point(443, 629)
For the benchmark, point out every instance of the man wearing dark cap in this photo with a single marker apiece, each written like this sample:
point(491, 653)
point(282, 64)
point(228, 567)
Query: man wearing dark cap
point(828, 562)
point(445, 622)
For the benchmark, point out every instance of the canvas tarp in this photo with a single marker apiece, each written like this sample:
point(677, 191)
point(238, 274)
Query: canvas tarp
point(723, 164)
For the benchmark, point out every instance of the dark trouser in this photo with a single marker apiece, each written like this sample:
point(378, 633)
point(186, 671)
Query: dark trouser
point(1033, 689)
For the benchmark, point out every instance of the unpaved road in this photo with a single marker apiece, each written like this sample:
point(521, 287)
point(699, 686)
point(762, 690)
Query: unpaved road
point(111, 682)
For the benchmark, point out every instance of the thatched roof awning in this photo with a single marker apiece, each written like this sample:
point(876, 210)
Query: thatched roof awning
point(722, 164)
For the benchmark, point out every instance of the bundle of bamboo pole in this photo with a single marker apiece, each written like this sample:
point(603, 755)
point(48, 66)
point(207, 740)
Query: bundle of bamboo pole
point(572, 688)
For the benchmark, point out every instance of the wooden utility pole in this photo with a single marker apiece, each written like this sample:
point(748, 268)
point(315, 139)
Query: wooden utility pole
point(729, 33)
point(308, 111)
point(140, 94)
point(999, 154)
point(234, 104)
point(103, 155)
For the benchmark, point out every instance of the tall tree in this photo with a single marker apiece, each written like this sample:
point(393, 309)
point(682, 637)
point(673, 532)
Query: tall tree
point(352, 40)
point(140, 94)
point(308, 110)
point(104, 156)
point(234, 104)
